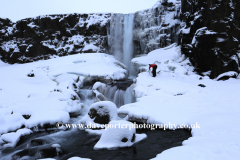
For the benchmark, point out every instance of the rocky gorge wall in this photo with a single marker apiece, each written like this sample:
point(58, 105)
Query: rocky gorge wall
point(211, 35)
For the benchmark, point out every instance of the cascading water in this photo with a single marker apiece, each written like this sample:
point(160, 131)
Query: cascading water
point(115, 37)
point(120, 38)
point(119, 96)
point(128, 40)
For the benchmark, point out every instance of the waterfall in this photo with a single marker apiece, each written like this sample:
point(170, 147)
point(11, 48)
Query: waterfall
point(119, 96)
point(128, 40)
point(115, 37)
point(120, 38)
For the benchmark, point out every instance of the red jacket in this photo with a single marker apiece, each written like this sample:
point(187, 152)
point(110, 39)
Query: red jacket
point(152, 65)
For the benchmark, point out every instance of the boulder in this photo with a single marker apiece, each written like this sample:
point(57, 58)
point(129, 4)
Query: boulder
point(227, 75)
point(101, 113)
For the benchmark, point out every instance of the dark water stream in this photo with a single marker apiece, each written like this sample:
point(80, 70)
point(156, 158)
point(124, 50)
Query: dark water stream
point(79, 143)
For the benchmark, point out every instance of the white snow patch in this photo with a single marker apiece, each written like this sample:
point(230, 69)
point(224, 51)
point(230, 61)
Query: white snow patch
point(78, 158)
point(116, 132)
point(90, 46)
point(12, 138)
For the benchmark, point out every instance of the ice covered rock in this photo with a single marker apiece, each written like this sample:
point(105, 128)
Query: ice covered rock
point(227, 75)
point(56, 146)
point(119, 134)
point(100, 87)
point(11, 139)
point(100, 113)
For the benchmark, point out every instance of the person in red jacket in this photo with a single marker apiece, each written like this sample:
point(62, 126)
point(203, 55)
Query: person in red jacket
point(154, 66)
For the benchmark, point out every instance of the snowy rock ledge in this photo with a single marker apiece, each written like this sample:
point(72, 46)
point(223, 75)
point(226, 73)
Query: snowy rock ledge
point(11, 139)
point(119, 134)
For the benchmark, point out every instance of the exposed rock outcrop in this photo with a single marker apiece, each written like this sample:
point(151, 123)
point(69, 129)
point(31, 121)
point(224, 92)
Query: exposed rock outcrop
point(47, 36)
point(211, 35)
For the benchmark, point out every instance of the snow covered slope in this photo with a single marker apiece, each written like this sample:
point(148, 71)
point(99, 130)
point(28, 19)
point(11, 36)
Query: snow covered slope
point(174, 97)
point(47, 95)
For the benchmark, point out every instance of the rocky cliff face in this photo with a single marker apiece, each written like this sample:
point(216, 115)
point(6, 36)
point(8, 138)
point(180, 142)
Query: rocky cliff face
point(207, 30)
point(53, 35)
point(48, 36)
point(157, 27)
point(211, 35)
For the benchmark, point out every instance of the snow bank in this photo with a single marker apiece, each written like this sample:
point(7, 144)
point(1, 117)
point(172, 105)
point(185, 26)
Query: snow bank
point(174, 97)
point(2, 64)
point(158, 56)
point(11, 139)
point(119, 134)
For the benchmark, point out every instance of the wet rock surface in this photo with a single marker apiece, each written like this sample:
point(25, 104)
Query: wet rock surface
point(123, 85)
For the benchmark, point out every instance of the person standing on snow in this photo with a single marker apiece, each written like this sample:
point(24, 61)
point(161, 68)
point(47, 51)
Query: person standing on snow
point(154, 66)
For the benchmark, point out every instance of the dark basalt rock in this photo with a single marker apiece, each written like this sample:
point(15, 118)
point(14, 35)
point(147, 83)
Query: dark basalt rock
point(101, 119)
point(132, 140)
point(26, 116)
point(31, 75)
point(42, 151)
point(30, 35)
point(201, 85)
point(133, 137)
point(227, 76)
point(124, 140)
point(36, 142)
point(217, 44)
point(44, 127)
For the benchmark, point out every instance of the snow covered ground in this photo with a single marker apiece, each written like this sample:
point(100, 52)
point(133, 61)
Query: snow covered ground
point(174, 96)
point(48, 96)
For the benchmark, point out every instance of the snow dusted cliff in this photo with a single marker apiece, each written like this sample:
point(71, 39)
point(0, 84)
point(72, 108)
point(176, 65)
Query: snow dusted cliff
point(47, 36)
point(43, 37)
